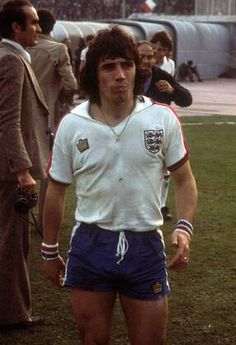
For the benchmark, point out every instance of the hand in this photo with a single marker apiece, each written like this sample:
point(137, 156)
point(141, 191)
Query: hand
point(55, 270)
point(181, 257)
point(164, 86)
point(26, 181)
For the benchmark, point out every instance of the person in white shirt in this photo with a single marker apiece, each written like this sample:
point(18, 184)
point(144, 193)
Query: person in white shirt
point(115, 147)
point(163, 46)
point(163, 49)
point(84, 52)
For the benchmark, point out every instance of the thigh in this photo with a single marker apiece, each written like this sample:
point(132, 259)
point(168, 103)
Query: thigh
point(146, 320)
point(93, 315)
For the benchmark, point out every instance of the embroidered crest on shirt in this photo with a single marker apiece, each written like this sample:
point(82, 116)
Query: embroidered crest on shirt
point(82, 145)
point(153, 140)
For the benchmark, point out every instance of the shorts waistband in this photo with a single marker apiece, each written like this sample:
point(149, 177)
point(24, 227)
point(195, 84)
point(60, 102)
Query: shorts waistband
point(87, 226)
point(122, 237)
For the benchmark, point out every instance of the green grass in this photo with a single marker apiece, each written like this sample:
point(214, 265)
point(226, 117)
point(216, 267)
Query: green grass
point(202, 308)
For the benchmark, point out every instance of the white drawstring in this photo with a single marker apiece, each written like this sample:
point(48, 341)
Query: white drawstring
point(122, 246)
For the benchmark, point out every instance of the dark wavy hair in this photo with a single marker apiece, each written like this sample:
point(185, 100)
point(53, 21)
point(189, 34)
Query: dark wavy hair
point(46, 20)
point(13, 12)
point(164, 38)
point(112, 42)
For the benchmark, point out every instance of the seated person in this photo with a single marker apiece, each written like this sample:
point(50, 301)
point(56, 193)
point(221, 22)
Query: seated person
point(188, 71)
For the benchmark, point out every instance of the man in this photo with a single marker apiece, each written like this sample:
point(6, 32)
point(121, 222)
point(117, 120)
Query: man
point(88, 40)
point(23, 156)
point(161, 87)
point(51, 64)
point(193, 71)
point(188, 70)
point(116, 145)
point(163, 49)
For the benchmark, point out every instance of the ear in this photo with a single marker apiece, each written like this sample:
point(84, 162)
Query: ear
point(16, 28)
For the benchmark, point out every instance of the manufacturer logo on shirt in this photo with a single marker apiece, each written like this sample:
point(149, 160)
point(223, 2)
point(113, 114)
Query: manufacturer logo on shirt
point(153, 140)
point(157, 288)
point(82, 145)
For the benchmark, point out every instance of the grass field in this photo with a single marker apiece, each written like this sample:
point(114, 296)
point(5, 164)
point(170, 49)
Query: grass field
point(202, 303)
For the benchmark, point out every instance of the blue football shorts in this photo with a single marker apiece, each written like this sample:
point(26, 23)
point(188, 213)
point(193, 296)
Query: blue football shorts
point(130, 263)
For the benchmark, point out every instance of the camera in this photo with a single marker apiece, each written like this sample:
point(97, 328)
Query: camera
point(25, 201)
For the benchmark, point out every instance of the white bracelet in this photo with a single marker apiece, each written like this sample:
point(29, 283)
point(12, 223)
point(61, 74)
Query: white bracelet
point(50, 245)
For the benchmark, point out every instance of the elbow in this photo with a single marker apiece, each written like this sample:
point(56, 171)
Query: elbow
point(185, 101)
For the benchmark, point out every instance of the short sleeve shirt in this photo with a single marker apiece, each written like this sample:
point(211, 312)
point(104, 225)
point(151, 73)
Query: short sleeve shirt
point(118, 179)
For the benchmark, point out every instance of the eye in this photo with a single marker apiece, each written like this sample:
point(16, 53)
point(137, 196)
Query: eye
point(128, 64)
point(107, 67)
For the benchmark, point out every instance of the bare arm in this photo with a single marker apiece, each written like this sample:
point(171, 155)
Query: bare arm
point(186, 205)
point(53, 215)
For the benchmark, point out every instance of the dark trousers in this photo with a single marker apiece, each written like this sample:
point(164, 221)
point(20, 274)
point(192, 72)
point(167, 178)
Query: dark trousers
point(15, 297)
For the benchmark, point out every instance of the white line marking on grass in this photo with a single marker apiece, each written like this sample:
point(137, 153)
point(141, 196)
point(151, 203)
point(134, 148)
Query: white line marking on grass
point(231, 123)
point(227, 123)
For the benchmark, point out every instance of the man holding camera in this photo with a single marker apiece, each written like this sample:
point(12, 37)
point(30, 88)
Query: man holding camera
point(23, 156)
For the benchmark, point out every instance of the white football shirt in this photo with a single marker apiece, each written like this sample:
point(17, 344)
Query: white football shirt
point(118, 180)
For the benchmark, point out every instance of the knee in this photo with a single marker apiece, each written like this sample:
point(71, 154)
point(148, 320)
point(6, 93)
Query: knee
point(90, 338)
point(92, 333)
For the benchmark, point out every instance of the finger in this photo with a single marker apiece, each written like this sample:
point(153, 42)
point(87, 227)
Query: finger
point(178, 262)
point(61, 280)
point(56, 280)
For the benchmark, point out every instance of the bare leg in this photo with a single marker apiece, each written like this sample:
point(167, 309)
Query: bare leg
point(146, 320)
point(93, 315)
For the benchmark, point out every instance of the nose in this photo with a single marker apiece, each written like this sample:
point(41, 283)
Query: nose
point(39, 30)
point(120, 72)
point(145, 59)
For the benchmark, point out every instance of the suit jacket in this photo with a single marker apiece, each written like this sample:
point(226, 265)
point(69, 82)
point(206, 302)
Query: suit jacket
point(23, 118)
point(51, 64)
point(181, 96)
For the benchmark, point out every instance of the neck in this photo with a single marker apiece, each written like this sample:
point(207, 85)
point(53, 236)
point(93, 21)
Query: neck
point(111, 114)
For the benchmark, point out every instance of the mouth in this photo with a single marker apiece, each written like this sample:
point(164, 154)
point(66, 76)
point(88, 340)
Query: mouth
point(120, 88)
point(145, 68)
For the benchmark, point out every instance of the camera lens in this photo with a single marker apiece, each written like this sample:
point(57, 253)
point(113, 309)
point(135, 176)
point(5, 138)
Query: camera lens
point(24, 202)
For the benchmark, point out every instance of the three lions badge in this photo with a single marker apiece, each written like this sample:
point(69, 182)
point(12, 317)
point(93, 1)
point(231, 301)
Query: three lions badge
point(153, 140)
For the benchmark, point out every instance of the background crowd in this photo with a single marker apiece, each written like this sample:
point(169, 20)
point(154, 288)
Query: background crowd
point(104, 9)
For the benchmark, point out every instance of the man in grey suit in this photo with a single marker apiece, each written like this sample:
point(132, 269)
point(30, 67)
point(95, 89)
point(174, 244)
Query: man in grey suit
point(51, 63)
point(52, 67)
point(23, 156)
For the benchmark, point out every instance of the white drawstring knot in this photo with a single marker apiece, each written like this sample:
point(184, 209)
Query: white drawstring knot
point(122, 246)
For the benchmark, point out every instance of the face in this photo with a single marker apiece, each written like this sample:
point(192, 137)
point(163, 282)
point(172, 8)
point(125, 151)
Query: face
point(161, 52)
point(116, 80)
point(147, 56)
point(28, 36)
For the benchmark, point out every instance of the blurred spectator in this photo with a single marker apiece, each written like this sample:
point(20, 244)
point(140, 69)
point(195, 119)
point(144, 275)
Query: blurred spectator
point(107, 9)
point(163, 46)
point(189, 71)
point(88, 39)
point(80, 46)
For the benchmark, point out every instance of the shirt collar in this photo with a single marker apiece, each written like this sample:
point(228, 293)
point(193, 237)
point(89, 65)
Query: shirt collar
point(82, 109)
point(19, 47)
